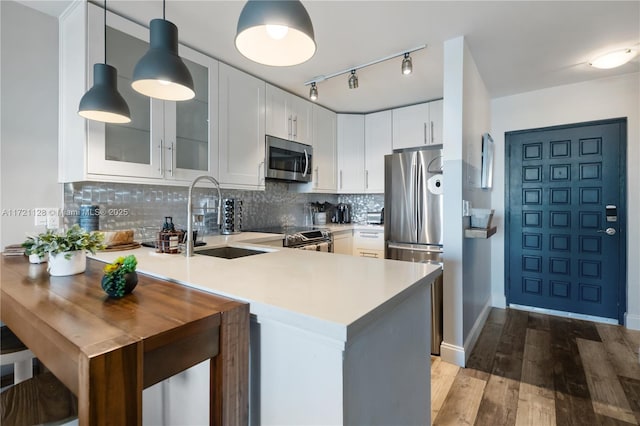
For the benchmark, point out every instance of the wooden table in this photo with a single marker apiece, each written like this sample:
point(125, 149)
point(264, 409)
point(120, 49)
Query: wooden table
point(107, 350)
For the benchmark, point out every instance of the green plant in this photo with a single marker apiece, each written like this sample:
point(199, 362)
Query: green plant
point(114, 279)
point(53, 243)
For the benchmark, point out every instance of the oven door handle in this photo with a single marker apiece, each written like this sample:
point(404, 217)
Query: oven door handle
point(306, 163)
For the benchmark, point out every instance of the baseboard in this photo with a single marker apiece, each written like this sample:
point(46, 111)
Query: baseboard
point(452, 354)
point(472, 338)
point(631, 321)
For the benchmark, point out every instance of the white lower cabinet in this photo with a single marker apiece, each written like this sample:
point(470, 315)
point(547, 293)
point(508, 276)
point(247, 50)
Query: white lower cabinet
point(242, 129)
point(343, 242)
point(368, 243)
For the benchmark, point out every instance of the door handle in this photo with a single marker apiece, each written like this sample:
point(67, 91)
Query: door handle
point(608, 231)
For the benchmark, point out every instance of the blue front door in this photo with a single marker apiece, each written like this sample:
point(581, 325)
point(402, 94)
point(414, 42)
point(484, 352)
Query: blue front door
point(566, 218)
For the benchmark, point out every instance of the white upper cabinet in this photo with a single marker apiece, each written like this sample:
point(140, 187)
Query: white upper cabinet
point(377, 144)
point(166, 141)
point(324, 150)
point(288, 116)
point(242, 129)
point(351, 153)
point(417, 125)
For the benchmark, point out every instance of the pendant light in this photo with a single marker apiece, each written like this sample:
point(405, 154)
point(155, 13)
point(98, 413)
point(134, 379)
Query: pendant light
point(161, 73)
point(103, 102)
point(275, 32)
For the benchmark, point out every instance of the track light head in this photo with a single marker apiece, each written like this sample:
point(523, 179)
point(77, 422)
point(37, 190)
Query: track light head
point(407, 65)
point(353, 80)
point(313, 92)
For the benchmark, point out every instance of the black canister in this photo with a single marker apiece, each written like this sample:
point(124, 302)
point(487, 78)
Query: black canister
point(89, 217)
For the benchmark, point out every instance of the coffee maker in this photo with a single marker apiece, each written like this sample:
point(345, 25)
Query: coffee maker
point(343, 213)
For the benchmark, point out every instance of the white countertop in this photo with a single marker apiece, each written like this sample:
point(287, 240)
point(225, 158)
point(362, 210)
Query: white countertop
point(327, 293)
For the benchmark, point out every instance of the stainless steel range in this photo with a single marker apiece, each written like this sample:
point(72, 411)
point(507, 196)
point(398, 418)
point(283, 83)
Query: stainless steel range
point(305, 238)
point(314, 240)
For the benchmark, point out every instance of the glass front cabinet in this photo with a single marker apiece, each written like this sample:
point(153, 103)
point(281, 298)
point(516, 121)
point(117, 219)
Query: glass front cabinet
point(166, 140)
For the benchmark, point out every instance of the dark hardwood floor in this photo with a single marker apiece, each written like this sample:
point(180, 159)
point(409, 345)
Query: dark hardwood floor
point(534, 369)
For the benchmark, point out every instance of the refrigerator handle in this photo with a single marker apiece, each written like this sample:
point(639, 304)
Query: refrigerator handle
point(420, 201)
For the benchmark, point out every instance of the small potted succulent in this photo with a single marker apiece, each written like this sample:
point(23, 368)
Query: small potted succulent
point(120, 277)
point(66, 250)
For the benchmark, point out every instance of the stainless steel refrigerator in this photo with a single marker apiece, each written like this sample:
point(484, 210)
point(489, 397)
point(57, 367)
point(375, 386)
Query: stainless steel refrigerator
point(413, 217)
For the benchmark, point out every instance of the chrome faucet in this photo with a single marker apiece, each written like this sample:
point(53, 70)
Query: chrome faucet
point(189, 241)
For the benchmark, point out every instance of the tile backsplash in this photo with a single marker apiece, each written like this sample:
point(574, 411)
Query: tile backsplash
point(143, 207)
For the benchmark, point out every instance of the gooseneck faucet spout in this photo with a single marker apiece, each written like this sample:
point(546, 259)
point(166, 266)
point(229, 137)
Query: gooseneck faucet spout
point(189, 241)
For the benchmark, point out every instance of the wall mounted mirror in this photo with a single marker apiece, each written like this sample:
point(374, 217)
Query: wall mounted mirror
point(486, 178)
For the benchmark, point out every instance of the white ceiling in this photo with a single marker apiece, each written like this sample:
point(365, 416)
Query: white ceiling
point(518, 46)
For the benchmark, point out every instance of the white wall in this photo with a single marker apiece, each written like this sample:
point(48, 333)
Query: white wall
point(593, 100)
point(29, 120)
point(467, 280)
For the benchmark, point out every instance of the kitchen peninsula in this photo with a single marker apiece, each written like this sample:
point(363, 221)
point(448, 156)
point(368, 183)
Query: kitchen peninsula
point(335, 339)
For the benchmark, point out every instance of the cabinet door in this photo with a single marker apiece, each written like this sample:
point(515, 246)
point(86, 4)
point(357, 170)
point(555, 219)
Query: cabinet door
point(410, 126)
point(242, 129)
point(132, 149)
point(302, 120)
point(324, 150)
point(377, 138)
point(350, 153)
point(435, 121)
point(191, 127)
point(343, 243)
point(278, 118)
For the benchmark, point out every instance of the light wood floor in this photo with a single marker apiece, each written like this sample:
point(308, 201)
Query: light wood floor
point(538, 370)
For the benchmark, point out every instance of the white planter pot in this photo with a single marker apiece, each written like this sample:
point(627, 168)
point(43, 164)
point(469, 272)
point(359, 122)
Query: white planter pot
point(34, 258)
point(60, 266)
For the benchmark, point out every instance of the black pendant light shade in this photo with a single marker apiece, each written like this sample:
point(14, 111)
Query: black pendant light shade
point(103, 102)
point(275, 32)
point(161, 73)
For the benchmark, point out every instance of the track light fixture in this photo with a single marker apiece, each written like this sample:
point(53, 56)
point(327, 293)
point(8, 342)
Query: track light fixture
point(407, 65)
point(353, 80)
point(407, 68)
point(313, 92)
point(103, 102)
point(161, 73)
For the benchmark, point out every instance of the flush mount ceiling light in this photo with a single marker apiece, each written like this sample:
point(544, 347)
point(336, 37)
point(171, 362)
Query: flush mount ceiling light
point(277, 33)
point(161, 73)
point(103, 102)
point(613, 59)
point(407, 68)
point(353, 80)
point(313, 92)
point(407, 65)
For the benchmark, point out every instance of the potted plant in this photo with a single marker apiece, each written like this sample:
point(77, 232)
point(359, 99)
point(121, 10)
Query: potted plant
point(67, 250)
point(120, 277)
point(34, 250)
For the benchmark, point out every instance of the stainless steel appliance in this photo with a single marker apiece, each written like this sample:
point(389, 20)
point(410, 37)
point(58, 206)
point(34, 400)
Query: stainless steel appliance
point(413, 217)
point(231, 216)
point(314, 240)
point(306, 238)
point(342, 213)
point(287, 160)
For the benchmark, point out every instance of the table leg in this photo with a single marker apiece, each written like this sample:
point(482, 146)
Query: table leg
point(110, 388)
point(229, 386)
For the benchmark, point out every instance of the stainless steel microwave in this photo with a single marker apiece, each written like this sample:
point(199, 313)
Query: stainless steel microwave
point(288, 160)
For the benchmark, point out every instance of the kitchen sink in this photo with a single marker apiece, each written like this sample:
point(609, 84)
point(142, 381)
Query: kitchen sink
point(229, 252)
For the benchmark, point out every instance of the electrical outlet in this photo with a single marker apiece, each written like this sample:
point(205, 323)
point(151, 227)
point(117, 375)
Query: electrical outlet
point(40, 216)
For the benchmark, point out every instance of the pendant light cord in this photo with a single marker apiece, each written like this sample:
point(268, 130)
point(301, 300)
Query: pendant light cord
point(105, 32)
point(164, 7)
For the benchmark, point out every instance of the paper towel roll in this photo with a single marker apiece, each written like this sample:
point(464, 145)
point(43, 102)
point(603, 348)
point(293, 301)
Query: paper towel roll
point(434, 184)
